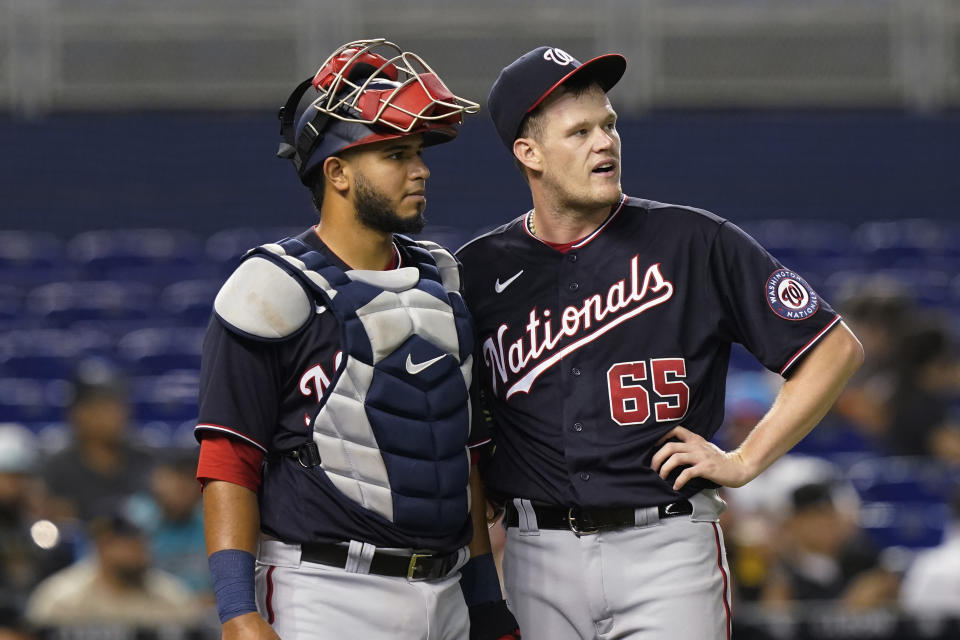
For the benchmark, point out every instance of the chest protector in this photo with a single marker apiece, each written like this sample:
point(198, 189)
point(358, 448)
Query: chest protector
point(393, 426)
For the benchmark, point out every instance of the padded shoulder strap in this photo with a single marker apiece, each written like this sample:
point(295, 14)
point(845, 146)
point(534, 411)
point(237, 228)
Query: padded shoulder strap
point(448, 266)
point(262, 300)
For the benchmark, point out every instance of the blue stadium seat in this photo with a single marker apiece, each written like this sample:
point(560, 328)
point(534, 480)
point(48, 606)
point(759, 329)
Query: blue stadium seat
point(182, 434)
point(32, 400)
point(11, 301)
point(927, 287)
point(834, 439)
point(49, 353)
point(160, 275)
point(190, 302)
point(904, 524)
point(225, 248)
point(913, 242)
point(170, 397)
point(905, 499)
point(66, 303)
point(51, 436)
point(118, 253)
point(157, 434)
point(804, 240)
point(903, 478)
point(157, 350)
point(29, 258)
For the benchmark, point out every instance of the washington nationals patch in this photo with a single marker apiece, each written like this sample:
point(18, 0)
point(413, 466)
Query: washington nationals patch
point(790, 297)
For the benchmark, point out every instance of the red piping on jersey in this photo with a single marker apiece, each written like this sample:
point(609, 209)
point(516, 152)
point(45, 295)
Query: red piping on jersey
point(270, 615)
point(474, 445)
point(596, 232)
point(232, 432)
point(807, 346)
point(723, 572)
point(577, 244)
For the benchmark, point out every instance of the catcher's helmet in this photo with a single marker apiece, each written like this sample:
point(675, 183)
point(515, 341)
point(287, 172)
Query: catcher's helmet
point(366, 97)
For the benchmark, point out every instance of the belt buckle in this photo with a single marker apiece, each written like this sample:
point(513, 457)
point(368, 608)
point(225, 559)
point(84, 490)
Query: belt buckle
point(412, 567)
point(572, 521)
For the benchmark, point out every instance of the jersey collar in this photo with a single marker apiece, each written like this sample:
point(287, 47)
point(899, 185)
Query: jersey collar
point(582, 242)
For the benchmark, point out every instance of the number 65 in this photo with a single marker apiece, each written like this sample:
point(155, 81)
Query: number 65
point(630, 400)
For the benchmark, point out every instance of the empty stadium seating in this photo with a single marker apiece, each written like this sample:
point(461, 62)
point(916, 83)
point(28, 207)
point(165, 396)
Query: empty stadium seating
point(143, 298)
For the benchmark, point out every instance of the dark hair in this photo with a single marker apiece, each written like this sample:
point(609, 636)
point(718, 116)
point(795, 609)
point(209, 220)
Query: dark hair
point(532, 124)
point(813, 495)
point(116, 523)
point(97, 379)
point(928, 340)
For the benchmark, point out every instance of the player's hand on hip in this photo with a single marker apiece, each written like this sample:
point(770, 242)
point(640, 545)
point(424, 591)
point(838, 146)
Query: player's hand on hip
point(702, 459)
point(249, 626)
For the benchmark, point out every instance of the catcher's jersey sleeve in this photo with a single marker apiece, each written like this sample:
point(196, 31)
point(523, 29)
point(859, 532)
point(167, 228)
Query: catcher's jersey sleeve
point(767, 307)
point(265, 392)
point(239, 385)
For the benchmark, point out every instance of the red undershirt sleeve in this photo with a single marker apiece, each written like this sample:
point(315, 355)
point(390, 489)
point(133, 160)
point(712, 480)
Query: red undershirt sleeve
point(230, 460)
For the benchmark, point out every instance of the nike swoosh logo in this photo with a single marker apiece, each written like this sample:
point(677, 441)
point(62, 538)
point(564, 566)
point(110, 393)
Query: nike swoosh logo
point(500, 286)
point(414, 369)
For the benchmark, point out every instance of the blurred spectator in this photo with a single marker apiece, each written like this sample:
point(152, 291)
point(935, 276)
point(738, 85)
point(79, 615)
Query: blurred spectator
point(31, 548)
point(824, 556)
point(116, 585)
point(757, 510)
point(928, 380)
point(14, 633)
point(172, 517)
point(879, 314)
point(100, 467)
point(931, 586)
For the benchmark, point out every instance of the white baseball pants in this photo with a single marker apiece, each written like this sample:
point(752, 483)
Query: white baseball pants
point(666, 580)
point(303, 600)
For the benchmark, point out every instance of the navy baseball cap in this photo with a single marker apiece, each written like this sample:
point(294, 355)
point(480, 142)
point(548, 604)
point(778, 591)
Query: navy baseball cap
point(527, 81)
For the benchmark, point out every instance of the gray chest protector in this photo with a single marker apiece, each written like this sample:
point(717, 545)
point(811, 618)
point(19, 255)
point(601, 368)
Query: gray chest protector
point(393, 427)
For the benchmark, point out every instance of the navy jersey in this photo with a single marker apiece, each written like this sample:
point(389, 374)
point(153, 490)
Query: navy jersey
point(586, 358)
point(267, 393)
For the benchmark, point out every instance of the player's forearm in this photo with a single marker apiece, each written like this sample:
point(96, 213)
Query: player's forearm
point(231, 522)
point(480, 543)
point(231, 517)
point(803, 400)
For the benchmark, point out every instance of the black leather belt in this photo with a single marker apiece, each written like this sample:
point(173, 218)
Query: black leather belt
point(412, 566)
point(591, 519)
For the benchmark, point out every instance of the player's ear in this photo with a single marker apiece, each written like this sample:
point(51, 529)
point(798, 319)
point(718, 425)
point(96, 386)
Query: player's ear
point(338, 173)
point(527, 152)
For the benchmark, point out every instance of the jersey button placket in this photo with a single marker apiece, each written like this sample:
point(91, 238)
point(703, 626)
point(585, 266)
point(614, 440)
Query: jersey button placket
point(570, 278)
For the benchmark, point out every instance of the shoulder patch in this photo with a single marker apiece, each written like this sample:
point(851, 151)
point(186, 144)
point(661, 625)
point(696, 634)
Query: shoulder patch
point(448, 266)
point(789, 295)
point(261, 300)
